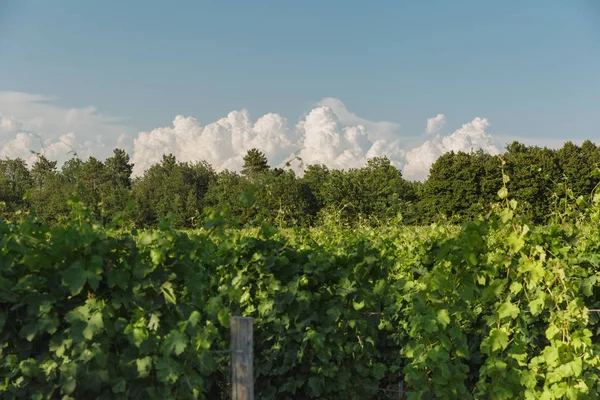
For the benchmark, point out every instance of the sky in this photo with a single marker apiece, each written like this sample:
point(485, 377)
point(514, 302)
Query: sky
point(334, 82)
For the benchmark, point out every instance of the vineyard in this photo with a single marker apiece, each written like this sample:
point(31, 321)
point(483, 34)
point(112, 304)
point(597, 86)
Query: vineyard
point(494, 309)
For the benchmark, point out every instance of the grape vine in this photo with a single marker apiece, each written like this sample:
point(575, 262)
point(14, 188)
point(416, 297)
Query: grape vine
point(497, 308)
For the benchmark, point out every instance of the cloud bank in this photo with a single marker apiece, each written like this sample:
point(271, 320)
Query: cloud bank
point(329, 134)
point(471, 136)
point(31, 122)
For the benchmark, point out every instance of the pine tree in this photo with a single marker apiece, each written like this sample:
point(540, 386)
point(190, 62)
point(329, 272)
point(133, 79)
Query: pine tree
point(255, 162)
point(119, 168)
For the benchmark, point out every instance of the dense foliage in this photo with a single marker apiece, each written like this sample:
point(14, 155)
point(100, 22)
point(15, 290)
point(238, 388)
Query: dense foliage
point(497, 308)
point(460, 187)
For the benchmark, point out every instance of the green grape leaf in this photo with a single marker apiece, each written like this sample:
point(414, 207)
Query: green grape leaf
point(508, 309)
point(498, 339)
point(379, 371)
point(552, 331)
point(175, 342)
point(503, 193)
point(443, 318)
point(144, 366)
point(154, 322)
point(168, 370)
point(168, 292)
point(94, 326)
point(75, 277)
point(119, 386)
point(536, 305)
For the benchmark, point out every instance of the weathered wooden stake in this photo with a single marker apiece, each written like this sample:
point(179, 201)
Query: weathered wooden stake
point(242, 359)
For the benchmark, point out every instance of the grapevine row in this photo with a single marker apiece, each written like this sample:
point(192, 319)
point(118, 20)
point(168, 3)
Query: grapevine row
point(494, 309)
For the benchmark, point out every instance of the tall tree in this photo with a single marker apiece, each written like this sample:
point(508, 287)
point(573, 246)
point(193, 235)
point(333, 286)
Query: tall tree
point(341, 194)
point(41, 168)
point(117, 188)
point(591, 160)
point(50, 199)
point(533, 172)
point(71, 170)
point(455, 186)
point(15, 181)
point(384, 193)
point(314, 178)
point(255, 162)
point(226, 193)
point(50, 191)
point(284, 199)
point(119, 168)
point(172, 187)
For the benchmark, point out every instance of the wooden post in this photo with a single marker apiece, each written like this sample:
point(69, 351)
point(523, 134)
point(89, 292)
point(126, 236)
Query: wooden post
point(242, 358)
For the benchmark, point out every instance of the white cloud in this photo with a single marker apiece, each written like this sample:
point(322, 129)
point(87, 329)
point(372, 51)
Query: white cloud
point(321, 137)
point(222, 144)
point(435, 124)
point(31, 122)
point(22, 145)
point(326, 141)
point(471, 136)
point(328, 134)
point(9, 124)
point(378, 130)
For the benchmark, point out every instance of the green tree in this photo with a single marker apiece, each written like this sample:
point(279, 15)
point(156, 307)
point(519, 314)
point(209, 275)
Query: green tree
point(314, 178)
point(50, 191)
point(94, 177)
point(15, 181)
point(533, 172)
point(40, 169)
point(460, 186)
point(172, 187)
point(342, 195)
point(283, 199)
point(384, 193)
point(226, 193)
point(591, 159)
point(576, 165)
point(50, 199)
point(117, 189)
point(71, 170)
point(255, 162)
point(119, 168)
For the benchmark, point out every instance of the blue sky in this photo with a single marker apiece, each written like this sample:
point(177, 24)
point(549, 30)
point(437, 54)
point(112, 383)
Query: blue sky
point(532, 68)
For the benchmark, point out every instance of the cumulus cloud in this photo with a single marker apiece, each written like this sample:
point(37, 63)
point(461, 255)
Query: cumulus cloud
point(322, 137)
point(22, 144)
point(9, 124)
point(378, 130)
point(471, 136)
point(329, 134)
point(222, 143)
point(435, 124)
point(32, 122)
point(326, 141)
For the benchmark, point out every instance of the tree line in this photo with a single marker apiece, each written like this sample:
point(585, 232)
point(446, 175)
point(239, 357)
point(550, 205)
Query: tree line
point(460, 186)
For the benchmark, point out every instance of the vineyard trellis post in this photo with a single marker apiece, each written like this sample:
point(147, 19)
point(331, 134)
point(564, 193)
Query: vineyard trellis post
point(242, 358)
